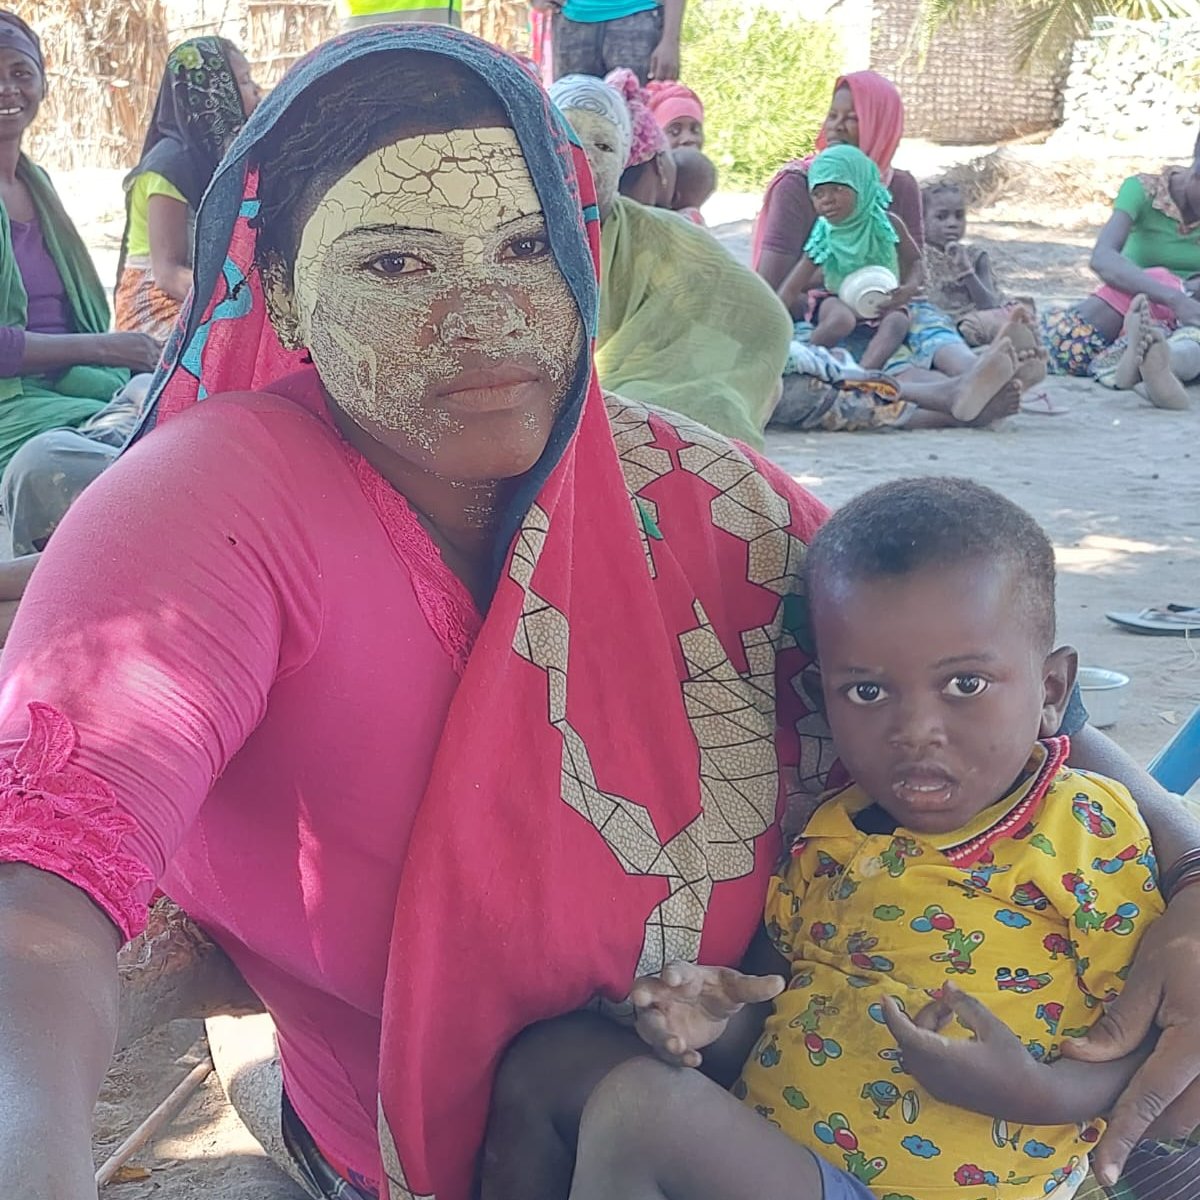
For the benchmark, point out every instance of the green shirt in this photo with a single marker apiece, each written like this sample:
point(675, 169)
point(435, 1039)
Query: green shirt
point(1155, 240)
point(405, 10)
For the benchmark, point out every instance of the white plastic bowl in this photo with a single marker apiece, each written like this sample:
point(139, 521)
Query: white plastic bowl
point(1103, 692)
point(866, 290)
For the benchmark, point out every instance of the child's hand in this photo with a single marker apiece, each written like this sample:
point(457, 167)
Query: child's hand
point(899, 298)
point(688, 1006)
point(990, 1072)
point(960, 259)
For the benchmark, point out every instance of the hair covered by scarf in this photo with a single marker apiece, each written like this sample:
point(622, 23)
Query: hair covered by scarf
point(648, 138)
point(587, 93)
point(868, 238)
point(671, 101)
point(16, 35)
point(880, 113)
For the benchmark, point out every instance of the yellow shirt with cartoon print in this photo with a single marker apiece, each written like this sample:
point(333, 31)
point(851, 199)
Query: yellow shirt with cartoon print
point(1036, 909)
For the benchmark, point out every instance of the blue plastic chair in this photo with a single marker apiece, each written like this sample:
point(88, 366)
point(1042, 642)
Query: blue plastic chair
point(1177, 764)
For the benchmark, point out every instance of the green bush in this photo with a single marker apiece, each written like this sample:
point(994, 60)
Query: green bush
point(765, 79)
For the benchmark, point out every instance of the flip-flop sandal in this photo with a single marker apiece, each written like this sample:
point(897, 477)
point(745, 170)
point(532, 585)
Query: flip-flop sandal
point(1040, 404)
point(1173, 620)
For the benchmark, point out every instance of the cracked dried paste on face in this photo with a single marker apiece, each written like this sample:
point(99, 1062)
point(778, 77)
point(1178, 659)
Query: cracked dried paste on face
point(428, 258)
point(606, 153)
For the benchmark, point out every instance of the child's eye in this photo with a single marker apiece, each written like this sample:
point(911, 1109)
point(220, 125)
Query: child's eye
point(966, 685)
point(865, 693)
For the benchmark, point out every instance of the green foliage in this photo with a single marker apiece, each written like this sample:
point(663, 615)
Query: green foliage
point(1045, 30)
point(765, 79)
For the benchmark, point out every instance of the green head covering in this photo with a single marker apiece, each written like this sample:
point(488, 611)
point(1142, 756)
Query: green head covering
point(868, 238)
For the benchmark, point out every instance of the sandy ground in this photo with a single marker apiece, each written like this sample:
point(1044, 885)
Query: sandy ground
point(1115, 482)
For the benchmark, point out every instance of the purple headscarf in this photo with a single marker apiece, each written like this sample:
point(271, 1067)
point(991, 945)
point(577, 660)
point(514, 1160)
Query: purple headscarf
point(16, 35)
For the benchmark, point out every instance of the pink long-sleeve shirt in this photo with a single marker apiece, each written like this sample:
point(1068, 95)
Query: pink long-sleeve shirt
point(228, 624)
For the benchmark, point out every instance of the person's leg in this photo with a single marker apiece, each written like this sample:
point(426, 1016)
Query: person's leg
point(651, 1131)
point(985, 394)
point(835, 323)
point(889, 337)
point(576, 47)
point(1163, 388)
point(538, 1099)
point(631, 42)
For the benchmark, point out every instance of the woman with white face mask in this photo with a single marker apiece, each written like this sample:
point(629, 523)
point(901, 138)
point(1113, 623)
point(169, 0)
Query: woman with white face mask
point(682, 324)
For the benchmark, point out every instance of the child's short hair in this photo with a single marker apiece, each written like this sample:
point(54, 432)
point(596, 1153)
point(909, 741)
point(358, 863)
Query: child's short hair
point(901, 527)
point(936, 188)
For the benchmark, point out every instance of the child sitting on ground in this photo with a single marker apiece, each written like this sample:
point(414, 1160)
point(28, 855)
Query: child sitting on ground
point(853, 230)
point(695, 182)
point(943, 925)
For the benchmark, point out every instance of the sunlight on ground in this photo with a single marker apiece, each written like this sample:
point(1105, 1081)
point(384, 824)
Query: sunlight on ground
point(1097, 552)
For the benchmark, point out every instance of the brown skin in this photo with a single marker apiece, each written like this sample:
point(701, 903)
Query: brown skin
point(58, 951)
point(1117, 271)
point(167, 218)
point(23, 88)
point(934, 709)
point(664, 62)
point(945, 214)
point(685, 133)
point(652, 183)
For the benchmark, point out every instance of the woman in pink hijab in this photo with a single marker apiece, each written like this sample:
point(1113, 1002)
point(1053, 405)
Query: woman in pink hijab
point(867, 112)
point(679, 113)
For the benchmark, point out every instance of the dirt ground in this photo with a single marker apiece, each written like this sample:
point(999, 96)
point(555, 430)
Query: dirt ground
point(1115, 482)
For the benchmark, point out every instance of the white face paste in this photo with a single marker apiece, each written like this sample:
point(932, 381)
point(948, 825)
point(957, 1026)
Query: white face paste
point(430, 258)
point(605, 154)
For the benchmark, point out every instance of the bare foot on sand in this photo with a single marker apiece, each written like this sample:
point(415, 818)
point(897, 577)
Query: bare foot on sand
point(976, 390)
point(1031, 354)
point(1138, 328)
point(1005, 403)
point(1162, 386)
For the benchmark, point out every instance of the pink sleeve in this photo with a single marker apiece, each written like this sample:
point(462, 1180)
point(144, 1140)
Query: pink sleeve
point(179, 587)
point(788, 216)
point(906, 204)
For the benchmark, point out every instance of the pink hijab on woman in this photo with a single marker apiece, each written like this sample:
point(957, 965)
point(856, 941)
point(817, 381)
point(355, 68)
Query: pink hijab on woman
point(648, 139)
point(880, 112)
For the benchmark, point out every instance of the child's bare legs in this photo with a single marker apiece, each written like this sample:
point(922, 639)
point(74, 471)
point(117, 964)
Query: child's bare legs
point(543, 1084)
point(651, 1131)
point(889, 337)
point(835, 323)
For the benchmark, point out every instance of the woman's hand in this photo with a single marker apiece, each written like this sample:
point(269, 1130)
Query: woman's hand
point(1163, 990)
point(1186, 309)
point(664, 62)
point(134, 351)
point(688, 1007)
point(990, 1068)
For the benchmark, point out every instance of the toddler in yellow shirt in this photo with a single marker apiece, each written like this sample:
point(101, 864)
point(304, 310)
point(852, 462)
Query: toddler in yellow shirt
point(939, 927)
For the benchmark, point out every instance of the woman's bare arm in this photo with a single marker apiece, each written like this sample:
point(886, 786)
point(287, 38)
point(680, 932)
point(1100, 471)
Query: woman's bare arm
point(170, 254)
point(1117, 271)
point(58, 1022)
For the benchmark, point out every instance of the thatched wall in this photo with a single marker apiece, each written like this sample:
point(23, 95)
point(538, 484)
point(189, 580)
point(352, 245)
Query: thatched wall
point(969, 89)
point(105, 59)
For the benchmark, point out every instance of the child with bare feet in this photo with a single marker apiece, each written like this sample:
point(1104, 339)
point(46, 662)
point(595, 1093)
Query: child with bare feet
point(854, 230)
point(695, 182)
point(938, 933)
point(962, 284)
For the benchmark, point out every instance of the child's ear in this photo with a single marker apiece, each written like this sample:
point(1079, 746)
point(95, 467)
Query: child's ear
point(1058, 682)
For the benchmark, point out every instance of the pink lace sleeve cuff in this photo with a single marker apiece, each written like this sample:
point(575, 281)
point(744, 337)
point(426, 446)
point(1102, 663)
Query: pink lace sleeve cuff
point(64, 819)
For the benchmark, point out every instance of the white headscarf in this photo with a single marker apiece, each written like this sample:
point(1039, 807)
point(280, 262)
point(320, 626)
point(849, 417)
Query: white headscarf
point(600, 118)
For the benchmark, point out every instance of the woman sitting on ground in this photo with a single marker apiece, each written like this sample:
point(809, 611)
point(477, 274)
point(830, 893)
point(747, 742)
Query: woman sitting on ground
point(386, 561)
point(934, 370)
point(59, 365)
point(1149, 247)
point(206, 94)
point(682, 324)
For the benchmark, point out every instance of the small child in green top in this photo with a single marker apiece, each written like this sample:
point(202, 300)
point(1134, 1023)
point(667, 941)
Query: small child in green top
point(854, 229)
